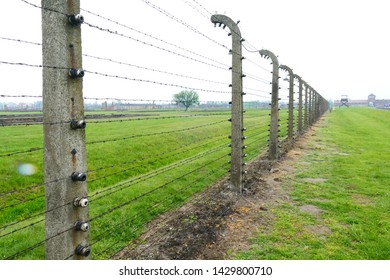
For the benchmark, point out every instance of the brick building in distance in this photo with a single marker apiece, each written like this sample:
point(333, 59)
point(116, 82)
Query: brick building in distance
point(371, 101)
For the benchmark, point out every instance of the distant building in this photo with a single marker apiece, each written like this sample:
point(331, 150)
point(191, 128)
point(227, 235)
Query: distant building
point(371, 101)
point(378, 103)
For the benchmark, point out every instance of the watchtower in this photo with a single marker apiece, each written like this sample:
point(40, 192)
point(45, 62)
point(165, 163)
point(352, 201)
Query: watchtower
point(344, 100)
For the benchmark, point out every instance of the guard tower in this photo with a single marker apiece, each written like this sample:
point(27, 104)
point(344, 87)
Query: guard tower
point(344, 101)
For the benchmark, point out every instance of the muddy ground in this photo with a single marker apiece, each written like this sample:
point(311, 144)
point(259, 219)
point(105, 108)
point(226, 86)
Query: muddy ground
point(219, 222)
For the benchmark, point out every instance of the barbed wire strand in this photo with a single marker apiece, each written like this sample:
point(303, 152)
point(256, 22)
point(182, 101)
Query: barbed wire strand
point(153, 134)
point(171, 197)
point(153, 156)
point(44, 8)
point(165, 220)
point(116, 33)
point(169, 15)
point(154, 70)
point(149, 175)
point(155, 38)
point(175, 193)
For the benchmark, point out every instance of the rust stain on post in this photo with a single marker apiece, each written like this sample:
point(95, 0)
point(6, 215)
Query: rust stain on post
point(62, 101)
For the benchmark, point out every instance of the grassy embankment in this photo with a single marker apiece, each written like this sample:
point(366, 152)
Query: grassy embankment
point(349, 160)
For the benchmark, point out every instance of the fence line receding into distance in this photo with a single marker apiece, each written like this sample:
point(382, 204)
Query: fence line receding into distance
point(84, 171)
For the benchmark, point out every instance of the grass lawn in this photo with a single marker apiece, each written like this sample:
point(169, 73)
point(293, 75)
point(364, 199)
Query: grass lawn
point(345, 177)
point(137, 169)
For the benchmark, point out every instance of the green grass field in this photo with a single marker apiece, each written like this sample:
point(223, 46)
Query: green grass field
point(137, 169)
point(350, 157)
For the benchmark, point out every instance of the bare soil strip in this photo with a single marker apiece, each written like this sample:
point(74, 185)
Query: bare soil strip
point(218, 222)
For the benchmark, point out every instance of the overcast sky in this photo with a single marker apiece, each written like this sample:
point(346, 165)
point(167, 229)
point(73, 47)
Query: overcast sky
point(337, 46)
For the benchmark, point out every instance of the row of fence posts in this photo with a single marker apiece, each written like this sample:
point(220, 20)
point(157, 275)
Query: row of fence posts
point(67, 216)
point(311, 105)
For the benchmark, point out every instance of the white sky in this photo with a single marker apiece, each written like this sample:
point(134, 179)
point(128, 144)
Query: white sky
point(337, 46)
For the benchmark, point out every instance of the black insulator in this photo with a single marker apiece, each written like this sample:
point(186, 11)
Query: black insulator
point(76, 20)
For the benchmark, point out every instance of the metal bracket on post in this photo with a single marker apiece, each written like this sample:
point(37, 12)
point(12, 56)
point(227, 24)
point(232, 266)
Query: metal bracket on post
point(300, 128)
point(274, 124)
point(65, 150)
point(290, 103)
point(237, 122)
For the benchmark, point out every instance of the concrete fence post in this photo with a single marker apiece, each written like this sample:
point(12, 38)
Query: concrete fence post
point(237, 119)
point(67, 235)
point(316, 113)
point(300, 105)
point(290, 102)
point(310, 111)
point(274, 123)
point(305, 116)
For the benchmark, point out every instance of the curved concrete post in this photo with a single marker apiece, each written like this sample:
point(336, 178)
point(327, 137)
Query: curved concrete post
point(310, 111)
point(237, 127)
point(300, 127)
point(274, 124)
point(306, 115)
point(315, 107)
point(290, 102)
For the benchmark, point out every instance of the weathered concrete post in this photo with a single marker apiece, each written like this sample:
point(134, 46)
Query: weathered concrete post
point(237, 121)
point(305, 115)
point(310, 111)
point(315, 106)
point(290, 103)
point(66, 225)
point(274, 124)
point(300, 127)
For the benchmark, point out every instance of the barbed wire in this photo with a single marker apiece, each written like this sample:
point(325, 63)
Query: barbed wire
point(116, 33)
point(22, 96)
point(31, 150)
point(169, 15)
point(196, 9)
point(66, 204)
point(175, 149)
point(167, 218)
point(44, 8)
point(37, 245)
point(155, 38)
point(20, 41)
point(171, 197)
point(142, 178)
point(251, 76)
point(99, 216)
point(113, 76)
point(148, 192)
point(160, 202)
point(160, 118)
point(154, 70)
point(24, 227)
point(202, 7)
point(259, 95)
point(154, 82)
point(152, 174)
point(22, 202)
point(153, 134)
point(34, 65)
point(145, 176)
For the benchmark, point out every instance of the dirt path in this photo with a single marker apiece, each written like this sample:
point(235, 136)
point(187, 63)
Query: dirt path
point(217, 223)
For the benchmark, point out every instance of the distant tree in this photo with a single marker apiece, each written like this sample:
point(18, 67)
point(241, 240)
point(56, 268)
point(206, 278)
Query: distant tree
point(186, 98)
